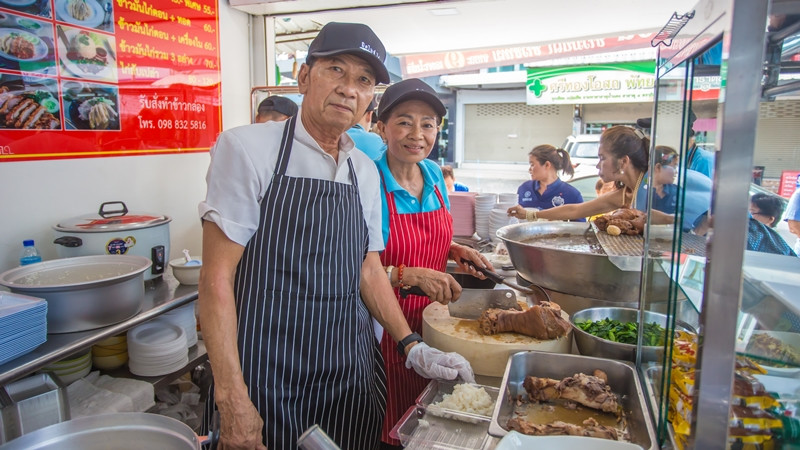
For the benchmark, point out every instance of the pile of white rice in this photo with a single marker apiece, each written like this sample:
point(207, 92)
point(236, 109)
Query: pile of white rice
point(469, 399)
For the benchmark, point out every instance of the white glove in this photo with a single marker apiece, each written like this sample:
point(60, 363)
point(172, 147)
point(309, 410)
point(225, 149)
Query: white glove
point(435, 364)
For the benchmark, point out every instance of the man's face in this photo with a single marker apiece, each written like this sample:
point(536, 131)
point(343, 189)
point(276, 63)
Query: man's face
point(336, 91)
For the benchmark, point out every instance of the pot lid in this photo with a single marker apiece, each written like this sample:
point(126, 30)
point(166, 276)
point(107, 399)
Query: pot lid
point(111, 220)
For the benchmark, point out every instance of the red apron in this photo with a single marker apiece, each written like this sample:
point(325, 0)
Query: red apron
point(416, 240)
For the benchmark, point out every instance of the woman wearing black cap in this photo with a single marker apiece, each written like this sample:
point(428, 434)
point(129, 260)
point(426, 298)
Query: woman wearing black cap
point(417, 228)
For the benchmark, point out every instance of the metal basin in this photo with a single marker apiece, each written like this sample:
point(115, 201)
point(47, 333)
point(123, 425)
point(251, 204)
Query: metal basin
point(84, 292)
point(120, 431)
point(577, 266)
point(592, 345)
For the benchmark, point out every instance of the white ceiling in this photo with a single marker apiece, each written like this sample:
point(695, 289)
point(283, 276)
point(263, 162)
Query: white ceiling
point(410, 27)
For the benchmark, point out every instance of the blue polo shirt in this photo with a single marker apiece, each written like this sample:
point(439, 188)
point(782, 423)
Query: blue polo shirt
point(558, 193)
point(405, 202)
point(665, 205)
point(369, 143)
point(793, 213)
point(702, 161)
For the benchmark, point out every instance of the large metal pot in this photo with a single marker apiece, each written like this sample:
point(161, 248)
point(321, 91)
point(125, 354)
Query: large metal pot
point(574, 269)
point(85, 292)
point(120, 431)
point(113, 230)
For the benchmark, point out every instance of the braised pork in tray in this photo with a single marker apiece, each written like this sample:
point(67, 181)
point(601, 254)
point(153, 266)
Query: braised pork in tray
point(578, 405)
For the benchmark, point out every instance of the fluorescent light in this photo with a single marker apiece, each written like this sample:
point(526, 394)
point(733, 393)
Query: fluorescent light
point(443, 11)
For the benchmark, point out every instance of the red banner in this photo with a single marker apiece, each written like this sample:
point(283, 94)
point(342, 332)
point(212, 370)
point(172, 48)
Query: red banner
point(790, 180)
point(94, 78)
point(428, 64)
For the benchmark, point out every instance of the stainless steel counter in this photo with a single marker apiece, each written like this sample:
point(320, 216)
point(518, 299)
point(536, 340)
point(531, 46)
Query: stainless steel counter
point(161, 295)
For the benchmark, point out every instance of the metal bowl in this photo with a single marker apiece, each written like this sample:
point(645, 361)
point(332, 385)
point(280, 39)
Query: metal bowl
point(591, 345)
point(84, 292)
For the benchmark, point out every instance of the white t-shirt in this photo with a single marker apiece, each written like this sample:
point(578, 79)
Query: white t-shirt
point(242, 164)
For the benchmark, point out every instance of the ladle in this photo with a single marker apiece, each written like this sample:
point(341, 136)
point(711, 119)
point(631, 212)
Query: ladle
point(189, 260)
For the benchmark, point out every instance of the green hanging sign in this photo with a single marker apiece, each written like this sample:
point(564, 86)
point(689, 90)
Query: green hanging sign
point(625, 82)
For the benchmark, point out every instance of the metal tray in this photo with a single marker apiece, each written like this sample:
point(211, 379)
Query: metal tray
point(621, 375)
point(420, 430)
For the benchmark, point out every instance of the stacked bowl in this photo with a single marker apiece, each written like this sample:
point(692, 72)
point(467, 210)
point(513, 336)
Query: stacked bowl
point(71, 369)
point(157, 348)
point(110, 353)
point(484, 203)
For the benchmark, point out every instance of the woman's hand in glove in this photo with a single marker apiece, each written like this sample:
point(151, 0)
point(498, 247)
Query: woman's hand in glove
point(435, 364)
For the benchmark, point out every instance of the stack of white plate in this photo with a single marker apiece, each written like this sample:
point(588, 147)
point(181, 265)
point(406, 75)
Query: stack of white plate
point(499, 218)
point(74, 368)
point(508, 197)
point(184, 317)
point(484, 203)
point(23, 324)
point(156, 348)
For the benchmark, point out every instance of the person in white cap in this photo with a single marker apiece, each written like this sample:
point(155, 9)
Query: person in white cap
point(291, 235)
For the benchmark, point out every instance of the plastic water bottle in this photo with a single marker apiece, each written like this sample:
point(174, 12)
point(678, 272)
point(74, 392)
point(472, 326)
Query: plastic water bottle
point(29, 253)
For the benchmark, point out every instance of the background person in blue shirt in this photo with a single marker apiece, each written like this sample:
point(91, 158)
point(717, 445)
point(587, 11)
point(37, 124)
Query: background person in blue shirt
point(666, 191)
point(450, 180)
point(793, 218)
point(545, 189)
point(364, 140)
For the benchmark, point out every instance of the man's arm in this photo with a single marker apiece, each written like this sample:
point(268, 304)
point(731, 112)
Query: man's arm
point(379, 297)
point(240, 423)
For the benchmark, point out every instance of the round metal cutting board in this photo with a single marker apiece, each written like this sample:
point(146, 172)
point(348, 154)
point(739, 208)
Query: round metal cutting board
point(488, 355)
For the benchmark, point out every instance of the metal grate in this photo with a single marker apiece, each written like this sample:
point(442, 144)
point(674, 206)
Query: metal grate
point(779, 110)
point(661, 243)
point(516, 110)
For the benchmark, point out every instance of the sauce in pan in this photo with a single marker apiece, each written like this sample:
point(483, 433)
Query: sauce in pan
point(551, 412)
point(581, 243)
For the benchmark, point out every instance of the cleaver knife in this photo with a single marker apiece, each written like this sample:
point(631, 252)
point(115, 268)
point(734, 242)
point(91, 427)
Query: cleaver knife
point(473, 302)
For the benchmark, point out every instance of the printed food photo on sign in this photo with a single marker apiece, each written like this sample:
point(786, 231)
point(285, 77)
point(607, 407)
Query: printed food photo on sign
point(29, 104)
point(90, 106)
point(86, 54)
point(39, 8)
point(26, 45)
point(97, 14)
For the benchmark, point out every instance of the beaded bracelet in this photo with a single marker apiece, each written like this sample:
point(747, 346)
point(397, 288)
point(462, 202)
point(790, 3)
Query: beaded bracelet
point(400, 274)
point(531, 215)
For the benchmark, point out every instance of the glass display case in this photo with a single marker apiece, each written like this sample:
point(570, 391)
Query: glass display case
point(727, 101)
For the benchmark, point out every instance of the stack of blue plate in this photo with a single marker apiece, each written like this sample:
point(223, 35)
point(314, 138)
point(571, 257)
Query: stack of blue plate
point(23, 324)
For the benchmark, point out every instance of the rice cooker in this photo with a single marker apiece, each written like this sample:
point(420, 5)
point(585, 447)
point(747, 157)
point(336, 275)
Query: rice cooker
point(115, 231)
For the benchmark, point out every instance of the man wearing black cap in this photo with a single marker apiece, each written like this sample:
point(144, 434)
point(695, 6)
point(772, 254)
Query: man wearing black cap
point(275, 109)
point(291, 235)
point(364, 140)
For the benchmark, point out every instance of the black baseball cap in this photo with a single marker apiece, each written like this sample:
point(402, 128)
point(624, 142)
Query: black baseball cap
point(278, 104)
point(336, 38)
point(410, 89)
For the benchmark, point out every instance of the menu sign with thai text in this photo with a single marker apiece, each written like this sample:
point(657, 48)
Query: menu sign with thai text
point(93, 78)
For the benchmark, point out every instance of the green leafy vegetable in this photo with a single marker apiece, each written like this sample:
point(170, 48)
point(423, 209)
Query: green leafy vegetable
point(624, 332)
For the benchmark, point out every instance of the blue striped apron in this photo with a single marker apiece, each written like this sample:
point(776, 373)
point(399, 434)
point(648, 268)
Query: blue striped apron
point(305, 336)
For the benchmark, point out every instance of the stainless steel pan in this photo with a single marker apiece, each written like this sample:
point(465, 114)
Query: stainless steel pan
point(580, 270)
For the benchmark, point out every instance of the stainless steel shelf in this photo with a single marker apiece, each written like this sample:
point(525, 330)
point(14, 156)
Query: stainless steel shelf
point(161, 295)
